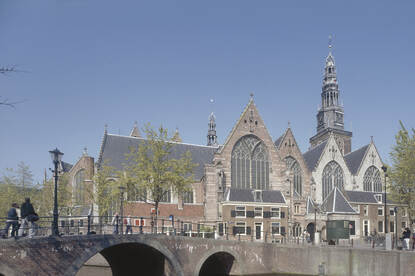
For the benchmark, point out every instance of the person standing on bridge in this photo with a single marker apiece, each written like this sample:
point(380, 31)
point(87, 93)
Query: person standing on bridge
point(12, 220)
point(115, 222)
point(28, 214)
point(129, 228)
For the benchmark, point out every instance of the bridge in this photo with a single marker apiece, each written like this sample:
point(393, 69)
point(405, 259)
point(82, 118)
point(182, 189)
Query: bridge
point(148, 254)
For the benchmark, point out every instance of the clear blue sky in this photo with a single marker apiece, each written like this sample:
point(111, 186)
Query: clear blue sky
point(92, 62)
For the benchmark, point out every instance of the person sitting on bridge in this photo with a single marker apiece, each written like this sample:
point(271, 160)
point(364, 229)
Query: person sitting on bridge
point(12, 220)
point(28, 212)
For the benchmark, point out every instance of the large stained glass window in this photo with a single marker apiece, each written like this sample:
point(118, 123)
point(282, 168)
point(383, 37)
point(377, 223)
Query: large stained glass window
point(250, 164)
point(79, 187)
point(332, 177)
point(371, 180)
point(295, 169)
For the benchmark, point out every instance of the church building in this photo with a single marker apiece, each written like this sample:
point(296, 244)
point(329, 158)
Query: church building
point(254, 187)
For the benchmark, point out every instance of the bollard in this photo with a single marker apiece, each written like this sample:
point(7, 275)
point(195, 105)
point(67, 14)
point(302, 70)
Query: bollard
point(162, 226)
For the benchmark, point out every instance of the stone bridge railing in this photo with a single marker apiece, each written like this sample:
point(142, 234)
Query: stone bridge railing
point(182, 256)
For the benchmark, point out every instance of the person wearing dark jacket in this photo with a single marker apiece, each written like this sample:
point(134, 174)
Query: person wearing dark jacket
point(27, 211)
point(12, 220)
point(406, 236)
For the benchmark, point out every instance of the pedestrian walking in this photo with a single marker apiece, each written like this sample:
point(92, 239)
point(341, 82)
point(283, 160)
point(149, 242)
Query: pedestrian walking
point(406, 236)
point(12, 220)
point(28, 218)
point(129, 226)
point(115, 222)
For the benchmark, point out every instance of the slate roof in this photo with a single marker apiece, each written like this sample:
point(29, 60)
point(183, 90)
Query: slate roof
point(355, 158)
point(247, 195)
point(278, 141)
point(115, 148)
point(312, 156)
point(366, 197)
point(337, 203)
point(66, 167)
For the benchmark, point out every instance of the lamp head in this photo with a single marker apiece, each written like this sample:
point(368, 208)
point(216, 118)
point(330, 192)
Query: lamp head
point(56, 155)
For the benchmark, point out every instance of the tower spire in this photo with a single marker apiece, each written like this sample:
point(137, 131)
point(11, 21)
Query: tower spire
point(211, 136)
point(330, 114)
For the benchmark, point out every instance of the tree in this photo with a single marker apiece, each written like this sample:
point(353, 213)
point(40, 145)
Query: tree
point(47, 197)
point(151, 169)
point(105, 192)
point(402, 173)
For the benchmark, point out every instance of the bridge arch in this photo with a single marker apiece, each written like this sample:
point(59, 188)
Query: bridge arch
point(228, 259)
point(113, 246)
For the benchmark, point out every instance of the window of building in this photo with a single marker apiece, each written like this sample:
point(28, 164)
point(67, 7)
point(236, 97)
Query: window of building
point(392, 211)
point(366, 228)
point(188, 197)
point(332, 177)
point(250, 164)
point(392, 226)
point(404, 224)
point(371, 180)
point(79, 187)
point(378, 198)
point(380, 226)
point(295, 169)
point(275, 228)
point(380, 211)
point(240, 211)
point(365, 210)
point(404, 212)
point(258, 212)
point(166, 198)
point(240, 228)
point(296, 208)
point(135, 194)
point(275, 213)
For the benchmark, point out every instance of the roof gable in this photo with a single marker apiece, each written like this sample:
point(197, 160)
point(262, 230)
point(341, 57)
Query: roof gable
point(337, 203)
point(355, 158)
point(312, 156)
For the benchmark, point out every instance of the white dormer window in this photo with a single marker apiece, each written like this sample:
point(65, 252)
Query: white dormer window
point(258, 196)
point(378, 198)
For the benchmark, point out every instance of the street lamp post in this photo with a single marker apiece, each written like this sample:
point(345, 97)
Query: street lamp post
point(56, 156)
point(122, 188)
point(384, 168)
point(287, 174)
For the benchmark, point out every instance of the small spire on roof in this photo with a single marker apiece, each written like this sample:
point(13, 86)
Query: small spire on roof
point(85, 153)
point(176, 137)
point(371, 138)
point(289, 124)
point(252, 96)
point(105, 128)
point(135, 132)
point(330, 42)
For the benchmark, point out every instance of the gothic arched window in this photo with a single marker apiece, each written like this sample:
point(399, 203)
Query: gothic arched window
point(372, 181)
point(332, 177)
point(250, 164)
point(79, 187)
point(295, 169)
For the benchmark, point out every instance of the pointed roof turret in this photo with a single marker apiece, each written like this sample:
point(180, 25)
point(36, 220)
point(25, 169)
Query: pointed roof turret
point(212, 139)
point(176, 137)
point(135, 132)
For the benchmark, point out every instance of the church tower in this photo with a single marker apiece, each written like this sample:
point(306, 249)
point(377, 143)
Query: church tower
point(330, 115)
point(211, 136)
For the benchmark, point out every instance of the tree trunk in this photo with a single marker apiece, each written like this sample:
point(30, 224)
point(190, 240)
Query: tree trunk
point(156, 206)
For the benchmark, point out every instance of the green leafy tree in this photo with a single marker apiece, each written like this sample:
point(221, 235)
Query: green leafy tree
point(46, 197)
point(402, 173)
point(105, 193)
point(150, 168)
